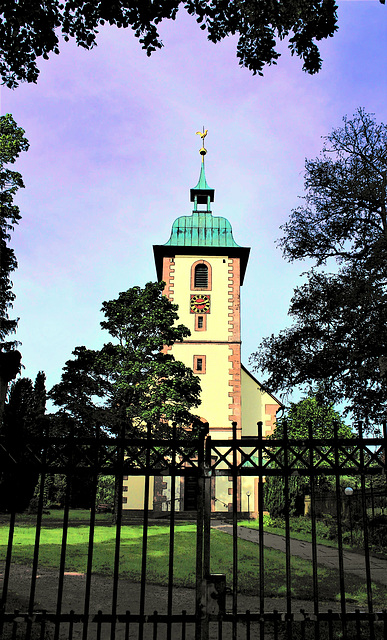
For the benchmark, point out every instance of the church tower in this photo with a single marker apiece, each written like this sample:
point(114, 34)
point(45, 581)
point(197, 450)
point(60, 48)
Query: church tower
point(203, 268)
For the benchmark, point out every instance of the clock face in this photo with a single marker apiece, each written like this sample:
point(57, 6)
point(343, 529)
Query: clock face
point(200, 303)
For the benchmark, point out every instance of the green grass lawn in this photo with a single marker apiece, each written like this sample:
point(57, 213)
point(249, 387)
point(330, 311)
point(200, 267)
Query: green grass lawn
point(300, 529)
point(184, 565)
point(326, 533)
point(76, 516)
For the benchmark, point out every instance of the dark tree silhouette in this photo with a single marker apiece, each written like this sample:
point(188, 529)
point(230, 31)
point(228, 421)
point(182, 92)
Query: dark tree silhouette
point(338, 340)
point(29, 30)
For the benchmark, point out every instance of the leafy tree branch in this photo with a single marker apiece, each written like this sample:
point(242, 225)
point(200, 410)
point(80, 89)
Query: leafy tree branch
point(338, 339)
point(33, 29)
point(133, 380)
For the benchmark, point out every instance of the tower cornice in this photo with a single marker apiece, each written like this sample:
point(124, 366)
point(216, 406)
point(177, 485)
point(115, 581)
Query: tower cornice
point(161, 251)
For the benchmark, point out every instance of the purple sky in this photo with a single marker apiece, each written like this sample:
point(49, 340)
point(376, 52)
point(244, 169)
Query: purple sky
point(113, 155)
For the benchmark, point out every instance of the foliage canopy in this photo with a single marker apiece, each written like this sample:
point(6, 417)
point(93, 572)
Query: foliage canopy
point(302, 418)
point(24, 417)
point(338, 340)
point(12, 143)
point(29, 30)
point(134, 380)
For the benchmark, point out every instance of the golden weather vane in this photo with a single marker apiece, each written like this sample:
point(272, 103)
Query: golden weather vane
point(202, 134)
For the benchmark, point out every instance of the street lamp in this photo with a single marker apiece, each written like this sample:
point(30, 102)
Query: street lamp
point(248, 493)
point(349, 492)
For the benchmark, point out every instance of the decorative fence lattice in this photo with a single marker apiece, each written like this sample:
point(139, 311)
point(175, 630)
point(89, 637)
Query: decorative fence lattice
point(216, 606)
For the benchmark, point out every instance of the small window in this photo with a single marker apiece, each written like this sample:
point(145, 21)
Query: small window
point(199, 364)
point(124, 500)
point(201, 276)
point(200, 322)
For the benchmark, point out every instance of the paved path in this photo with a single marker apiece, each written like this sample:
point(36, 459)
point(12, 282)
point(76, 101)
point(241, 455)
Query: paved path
point(328, 556)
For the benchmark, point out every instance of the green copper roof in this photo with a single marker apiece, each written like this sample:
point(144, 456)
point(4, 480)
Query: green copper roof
point(201, 229)
point(212, 235)
point(202, 184)
point(202, 192)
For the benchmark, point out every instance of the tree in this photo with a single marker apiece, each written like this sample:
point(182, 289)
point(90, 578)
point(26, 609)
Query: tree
point(32, 29)
point(296, 423)
point(12, 143)
point(24, 418)
point(105, 491)
point(339, 336)
point(135, 380)
point(40, 394)
point(80, 395)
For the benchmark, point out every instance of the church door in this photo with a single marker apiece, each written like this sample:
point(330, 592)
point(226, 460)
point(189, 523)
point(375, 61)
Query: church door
point(190, 493)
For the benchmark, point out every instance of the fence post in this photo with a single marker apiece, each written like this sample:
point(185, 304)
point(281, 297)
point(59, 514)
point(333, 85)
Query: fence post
point(314, 534)
point(340, 531)
point(365, 532)
point(201, 622)
point(260, 520)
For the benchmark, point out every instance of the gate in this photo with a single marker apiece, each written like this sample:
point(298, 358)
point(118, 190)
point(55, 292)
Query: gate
point(81, 598)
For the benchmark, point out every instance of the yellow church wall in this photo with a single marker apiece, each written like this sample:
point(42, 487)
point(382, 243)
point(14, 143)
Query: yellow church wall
point(223, 498)
point(167, 494)
point(248, 484)
point(133, 491)
point(217, 319)
point(214, 382)
point(213, 350)
point(257, 405)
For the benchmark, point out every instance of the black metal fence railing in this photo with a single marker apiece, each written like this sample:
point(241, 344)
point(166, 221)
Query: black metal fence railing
point(83, 575)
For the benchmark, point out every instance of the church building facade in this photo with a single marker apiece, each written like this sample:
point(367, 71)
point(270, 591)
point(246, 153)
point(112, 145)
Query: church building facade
point(203, 269)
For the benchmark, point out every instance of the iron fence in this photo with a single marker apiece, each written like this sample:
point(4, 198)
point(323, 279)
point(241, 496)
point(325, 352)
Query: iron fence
point(39, 601)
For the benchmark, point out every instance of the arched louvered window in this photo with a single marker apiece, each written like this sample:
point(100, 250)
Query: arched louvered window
point(201, 276)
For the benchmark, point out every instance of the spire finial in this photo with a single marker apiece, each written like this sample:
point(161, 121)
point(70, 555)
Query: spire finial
point(203, 134)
